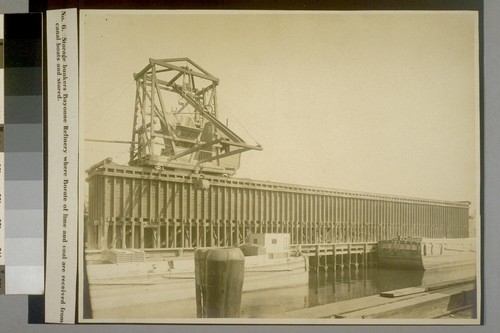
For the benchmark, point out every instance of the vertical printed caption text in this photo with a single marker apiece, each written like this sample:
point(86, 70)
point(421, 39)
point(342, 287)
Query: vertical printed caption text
point(62, 98)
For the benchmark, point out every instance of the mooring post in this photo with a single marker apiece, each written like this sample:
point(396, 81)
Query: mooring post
point(224, 282)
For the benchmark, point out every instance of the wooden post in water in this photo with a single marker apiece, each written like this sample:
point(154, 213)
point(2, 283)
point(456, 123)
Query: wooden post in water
point(218, 282)
point(224, 282)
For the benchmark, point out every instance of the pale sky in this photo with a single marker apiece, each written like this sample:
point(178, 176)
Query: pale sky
point(384, 102)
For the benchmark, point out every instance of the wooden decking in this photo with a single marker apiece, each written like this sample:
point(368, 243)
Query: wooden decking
point(424, 303)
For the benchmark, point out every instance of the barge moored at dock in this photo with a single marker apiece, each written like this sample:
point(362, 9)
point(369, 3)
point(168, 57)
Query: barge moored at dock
point(122, 273)
point(427, 253)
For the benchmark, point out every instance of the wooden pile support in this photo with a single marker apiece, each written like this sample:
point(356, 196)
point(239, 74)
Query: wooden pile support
point(340, 255)
point(148, 209)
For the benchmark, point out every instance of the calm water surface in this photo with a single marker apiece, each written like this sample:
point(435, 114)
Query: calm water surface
point(323, 288)
point(330, 287)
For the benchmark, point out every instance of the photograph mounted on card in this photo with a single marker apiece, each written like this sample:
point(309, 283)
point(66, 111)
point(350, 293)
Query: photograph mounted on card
point(279, 167)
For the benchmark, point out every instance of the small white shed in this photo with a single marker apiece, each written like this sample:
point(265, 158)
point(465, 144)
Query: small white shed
point(277, 245)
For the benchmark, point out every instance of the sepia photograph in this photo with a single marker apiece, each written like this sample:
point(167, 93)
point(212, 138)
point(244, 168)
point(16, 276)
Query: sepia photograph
point(274, 167)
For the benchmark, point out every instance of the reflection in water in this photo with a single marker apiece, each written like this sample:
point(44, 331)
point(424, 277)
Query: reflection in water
point(323, 288)
point(329, 287)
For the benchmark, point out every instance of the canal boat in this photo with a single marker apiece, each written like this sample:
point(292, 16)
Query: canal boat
point(124, 279)
point(426, 253)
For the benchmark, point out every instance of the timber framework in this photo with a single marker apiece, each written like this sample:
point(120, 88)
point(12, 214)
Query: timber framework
point(177, 191)
point(134, 207)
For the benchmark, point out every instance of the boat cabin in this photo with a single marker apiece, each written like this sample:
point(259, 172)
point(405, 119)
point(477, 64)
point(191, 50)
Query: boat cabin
point(277, 245)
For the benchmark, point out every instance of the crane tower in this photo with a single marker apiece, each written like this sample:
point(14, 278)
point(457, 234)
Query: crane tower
point(176, 124)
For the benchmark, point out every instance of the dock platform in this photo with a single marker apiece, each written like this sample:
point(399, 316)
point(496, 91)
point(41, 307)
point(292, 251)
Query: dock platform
point(417, 303)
